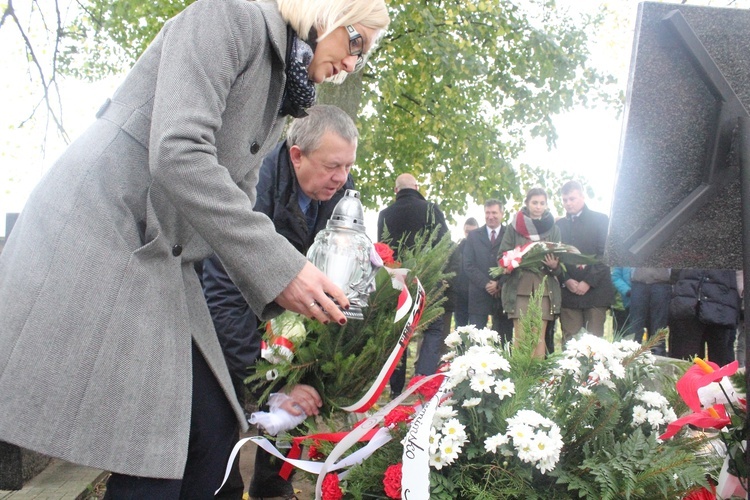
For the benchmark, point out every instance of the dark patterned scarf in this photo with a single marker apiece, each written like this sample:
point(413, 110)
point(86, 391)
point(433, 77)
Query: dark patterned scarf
point(533, 229)
point(299, 93)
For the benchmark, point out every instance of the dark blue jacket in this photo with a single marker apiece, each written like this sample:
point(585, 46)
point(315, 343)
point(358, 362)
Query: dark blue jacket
point(710, 295)
point(235, 323)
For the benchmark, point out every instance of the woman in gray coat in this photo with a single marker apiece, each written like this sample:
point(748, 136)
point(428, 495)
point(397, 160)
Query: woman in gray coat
point(102, 319)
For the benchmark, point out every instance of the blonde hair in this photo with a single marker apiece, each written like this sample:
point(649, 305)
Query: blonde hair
point(328, 15)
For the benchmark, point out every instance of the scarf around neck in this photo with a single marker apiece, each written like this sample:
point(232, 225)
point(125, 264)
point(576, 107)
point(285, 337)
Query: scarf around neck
point(299, 92)
point(533, 229)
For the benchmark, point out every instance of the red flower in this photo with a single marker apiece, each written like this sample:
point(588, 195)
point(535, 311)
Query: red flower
point(399, 414)
point(699, 375)
point(701, 494)
point(385, 252)
point(392, 481)
point(313, 453)
point(429, 389)
point(715, 417)
point(331, 489)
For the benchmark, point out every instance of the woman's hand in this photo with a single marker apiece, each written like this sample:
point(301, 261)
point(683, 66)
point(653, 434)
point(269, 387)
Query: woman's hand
point(312, 294)
point(551, 261)
point(302, 398)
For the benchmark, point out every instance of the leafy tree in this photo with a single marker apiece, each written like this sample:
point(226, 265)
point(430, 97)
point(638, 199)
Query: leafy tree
point(451, 94)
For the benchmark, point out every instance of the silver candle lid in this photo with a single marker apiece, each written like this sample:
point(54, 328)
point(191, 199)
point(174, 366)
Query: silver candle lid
point(348, 213)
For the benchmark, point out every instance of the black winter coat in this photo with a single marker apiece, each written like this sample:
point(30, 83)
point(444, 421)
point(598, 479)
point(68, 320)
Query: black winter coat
point(407, 216)
point(588, 233)
point(710, 295)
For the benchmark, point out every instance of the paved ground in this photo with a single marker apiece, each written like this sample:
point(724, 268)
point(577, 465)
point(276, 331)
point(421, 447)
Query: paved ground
point(59, 481)
point(65, 481)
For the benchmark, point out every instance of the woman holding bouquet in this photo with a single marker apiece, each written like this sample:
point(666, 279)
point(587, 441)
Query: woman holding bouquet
point(532, 223)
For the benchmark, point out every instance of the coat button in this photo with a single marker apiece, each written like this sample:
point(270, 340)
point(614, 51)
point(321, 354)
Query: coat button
point(254, 148)
point(177, 250)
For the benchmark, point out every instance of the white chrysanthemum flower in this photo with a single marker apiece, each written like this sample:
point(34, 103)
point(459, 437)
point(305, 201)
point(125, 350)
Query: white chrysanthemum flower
point(453, 339)
point(485, 336)
point(653, 399)
point(471, 402)
point(449, 450)
point(529, 417)
point(655, 418)
point(639, 415)
point(454, 429)
point(436, 461)
point(434, 440)
point(600, 372)
point(492, 443)
point(570, 365)
point(617, 370)
point(584, 390)
point(505, 388)
point(445, 412)
point(448, 356)
point(669, 415)
point(481, 383)
point(521, 434)
point(627, 346)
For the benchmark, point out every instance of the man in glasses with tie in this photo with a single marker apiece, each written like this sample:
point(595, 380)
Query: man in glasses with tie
point(480, 254)
point(587, 291)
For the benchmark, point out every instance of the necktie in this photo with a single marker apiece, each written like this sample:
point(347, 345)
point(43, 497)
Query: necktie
point(492, 237)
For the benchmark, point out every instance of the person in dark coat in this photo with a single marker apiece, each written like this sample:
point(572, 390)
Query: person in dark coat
point(481, 254)
point(703, 312)
point(409, 215)
point(587, 290)
point(300, 182)
point(459, 286)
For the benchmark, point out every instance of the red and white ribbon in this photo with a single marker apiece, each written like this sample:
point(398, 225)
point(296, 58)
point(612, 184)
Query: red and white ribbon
point(372, 395)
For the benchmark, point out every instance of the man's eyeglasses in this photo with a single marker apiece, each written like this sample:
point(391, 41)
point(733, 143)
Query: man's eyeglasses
point(356, 46)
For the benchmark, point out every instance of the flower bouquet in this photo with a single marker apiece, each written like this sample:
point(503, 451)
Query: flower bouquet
point(710, 394)
point(342, 362)
point(531, 256)
point(580, 424)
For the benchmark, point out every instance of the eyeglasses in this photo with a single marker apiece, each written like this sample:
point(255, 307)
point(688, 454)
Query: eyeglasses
point(356, 46)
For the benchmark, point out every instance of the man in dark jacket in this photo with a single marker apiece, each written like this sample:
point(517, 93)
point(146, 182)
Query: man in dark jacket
point(299, 184)
point(459, 285)
point(402, 220)
point(480, 255)
point(704, 311)
point(587, 291)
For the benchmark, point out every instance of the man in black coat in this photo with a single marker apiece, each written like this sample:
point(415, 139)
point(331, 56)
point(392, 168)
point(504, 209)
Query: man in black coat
point(299, 184)
point(402, 220)
point(587, 291)
point(481, 254)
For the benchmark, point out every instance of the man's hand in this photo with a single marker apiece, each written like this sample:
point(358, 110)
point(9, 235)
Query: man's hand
point(302, 398)
point(492, 288)
point(571, 285)
point(583, 287)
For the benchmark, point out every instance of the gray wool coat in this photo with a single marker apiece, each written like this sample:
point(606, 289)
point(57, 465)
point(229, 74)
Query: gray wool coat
point(99, 300)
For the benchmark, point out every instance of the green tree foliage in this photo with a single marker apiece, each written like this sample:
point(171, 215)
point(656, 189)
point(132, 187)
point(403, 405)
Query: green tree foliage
point(451, 93)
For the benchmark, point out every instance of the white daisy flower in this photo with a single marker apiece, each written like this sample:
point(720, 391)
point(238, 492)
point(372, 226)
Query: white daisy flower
point(471, 402)
point(504, 388)
point(481, 383)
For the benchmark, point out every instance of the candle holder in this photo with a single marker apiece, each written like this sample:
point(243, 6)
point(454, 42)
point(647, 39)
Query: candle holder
point(342, 252)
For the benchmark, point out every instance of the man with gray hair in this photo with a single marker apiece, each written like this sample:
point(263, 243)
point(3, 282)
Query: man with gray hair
point(299, 184)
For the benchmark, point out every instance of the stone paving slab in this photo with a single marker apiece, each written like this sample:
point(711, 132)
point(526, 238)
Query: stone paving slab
point(59, 481)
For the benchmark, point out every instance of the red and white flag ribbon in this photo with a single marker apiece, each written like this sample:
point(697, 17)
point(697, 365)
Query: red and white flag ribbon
point(372, 395)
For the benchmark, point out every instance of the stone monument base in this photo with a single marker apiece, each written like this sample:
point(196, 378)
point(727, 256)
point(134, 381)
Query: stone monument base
point(18, 465)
